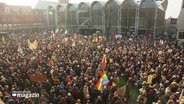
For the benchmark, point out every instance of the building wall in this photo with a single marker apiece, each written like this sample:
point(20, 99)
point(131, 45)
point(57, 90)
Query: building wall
point(128, 15)
point(111, 16)
point(119, 17)
point(180, 24)
point(12, 16)
point(171, 26)
point(63, 1)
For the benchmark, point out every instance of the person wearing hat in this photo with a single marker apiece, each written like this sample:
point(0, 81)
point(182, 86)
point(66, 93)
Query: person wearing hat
point(70, 99)
point(171, 100)
point(99, 100)
point(165, 97)
point(174, 86)
point(78, 101)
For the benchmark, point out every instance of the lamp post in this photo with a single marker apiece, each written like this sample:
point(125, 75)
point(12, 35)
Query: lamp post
point(155, 23)
point(48, 18)
point(119, 20)
point(137, 19)
point(56, 16)
point(50, 11)
point(65, 16)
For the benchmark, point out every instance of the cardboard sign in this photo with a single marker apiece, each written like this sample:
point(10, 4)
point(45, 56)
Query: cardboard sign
point(118, 36)
point(121, 91)
point(38, 78)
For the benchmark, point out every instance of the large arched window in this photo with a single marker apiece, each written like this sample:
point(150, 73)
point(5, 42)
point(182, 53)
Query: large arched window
point(84, 15)
point(147, 11)
point(111, 15)
point(97, 14)
point(128, 15)
point(71, 18)
point(51, 16)
point(61, 15)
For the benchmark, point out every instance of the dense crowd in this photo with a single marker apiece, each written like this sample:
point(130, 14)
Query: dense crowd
point(141, 70)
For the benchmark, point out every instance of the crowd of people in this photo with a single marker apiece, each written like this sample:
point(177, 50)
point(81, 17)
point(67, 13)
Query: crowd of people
point(141, 70)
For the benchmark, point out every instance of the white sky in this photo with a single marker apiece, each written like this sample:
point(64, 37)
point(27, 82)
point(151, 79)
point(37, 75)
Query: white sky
point(173, 9)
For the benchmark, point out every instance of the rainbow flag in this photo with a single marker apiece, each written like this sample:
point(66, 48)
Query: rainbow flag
point(99, 84)
point(102, 81)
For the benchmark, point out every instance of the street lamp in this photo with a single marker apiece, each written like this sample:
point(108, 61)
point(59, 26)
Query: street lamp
point(158, 6)
point(137, 19)
point(50, 10)
point(155, 23)
point(119, 20)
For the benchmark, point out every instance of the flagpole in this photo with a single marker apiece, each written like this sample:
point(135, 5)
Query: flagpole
point(83, 89)
point(47, 17)
point(155, 24)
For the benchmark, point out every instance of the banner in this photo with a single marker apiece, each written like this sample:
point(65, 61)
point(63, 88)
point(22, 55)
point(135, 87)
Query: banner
point(4, 41)
point(118, 36)
point(38, 78)
point(121, 91)
point(33, 45)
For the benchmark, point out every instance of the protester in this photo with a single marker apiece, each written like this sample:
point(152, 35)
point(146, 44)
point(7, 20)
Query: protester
point(64, 69)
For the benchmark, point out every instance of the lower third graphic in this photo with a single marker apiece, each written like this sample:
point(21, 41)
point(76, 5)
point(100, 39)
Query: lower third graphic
point(25, 94)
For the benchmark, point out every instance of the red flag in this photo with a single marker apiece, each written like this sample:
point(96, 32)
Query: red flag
point(75, 34)
point(104, 61)
point(149, 35)
point(113, 34)
point(40, 58)
point(71, 38)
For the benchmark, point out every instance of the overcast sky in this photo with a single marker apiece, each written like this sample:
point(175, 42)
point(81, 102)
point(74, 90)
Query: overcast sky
point(173, 9)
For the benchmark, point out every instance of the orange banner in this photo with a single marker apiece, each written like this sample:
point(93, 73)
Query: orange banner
point(38, 78)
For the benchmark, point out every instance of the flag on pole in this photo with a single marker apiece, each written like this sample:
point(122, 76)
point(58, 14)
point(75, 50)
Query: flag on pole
point(4, 41)
point(66, 31)
point(99, 84)
point(105, 79)
point(104, 38)
point(75, 35)
point(33, 45)
point(104, 61)
point(20, 49)
point(57, 30)
point(181, 98)
point(100, 39)
point(41, 59)
point(102, 81)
